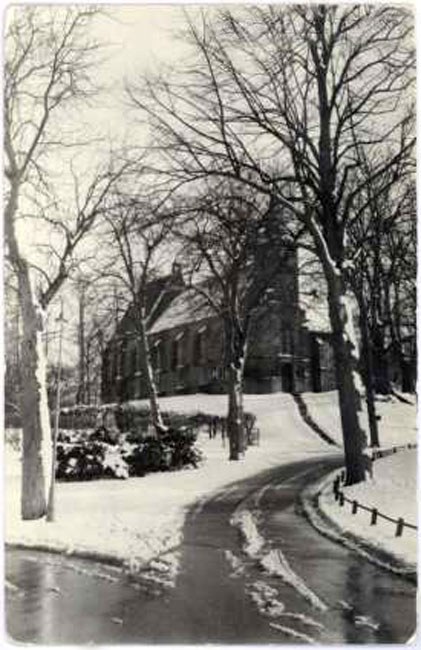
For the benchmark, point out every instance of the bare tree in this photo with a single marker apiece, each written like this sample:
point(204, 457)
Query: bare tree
point(137, 235)
point(294, 93)
point(387, 270)
point(233, 238)
point(95, 318)
point(48, 60)
point(383, 213)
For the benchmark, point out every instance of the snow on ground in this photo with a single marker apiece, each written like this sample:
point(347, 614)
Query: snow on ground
point(140, 518)
point(393, 491)
point(397, 425)
point(137, 519)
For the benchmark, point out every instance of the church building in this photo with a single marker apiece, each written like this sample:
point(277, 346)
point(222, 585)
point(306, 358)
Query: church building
point(286, 350)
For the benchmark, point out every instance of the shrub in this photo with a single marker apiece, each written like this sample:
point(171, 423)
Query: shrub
point(114, 463)
point(148, 455)
point(181, 444)
point(83, 457)
point(174, 450)
point(80, 461)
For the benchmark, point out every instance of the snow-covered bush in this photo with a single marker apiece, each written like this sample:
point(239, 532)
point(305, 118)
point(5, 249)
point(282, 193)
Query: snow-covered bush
point(81, 461)
point(174, 450)
point(76, 436)
point(114, 462)
point(84, 456)
point(181, 444)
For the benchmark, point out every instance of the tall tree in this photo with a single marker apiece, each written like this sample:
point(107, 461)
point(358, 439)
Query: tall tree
point(49, 57)
point(232, 241)
point(137, 236)
point(384, 213)
point(293, 93)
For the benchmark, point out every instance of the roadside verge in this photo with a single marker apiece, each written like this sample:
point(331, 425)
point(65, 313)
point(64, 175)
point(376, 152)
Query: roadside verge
point(311, 500)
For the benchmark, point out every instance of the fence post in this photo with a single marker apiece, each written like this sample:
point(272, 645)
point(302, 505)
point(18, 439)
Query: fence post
point(341, 498)
point(336, 488)
point(374, 514)
point(399, 527)
point(354, 507)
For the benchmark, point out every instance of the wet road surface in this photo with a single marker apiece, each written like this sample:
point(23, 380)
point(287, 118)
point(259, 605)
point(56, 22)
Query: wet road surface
point(221, 595)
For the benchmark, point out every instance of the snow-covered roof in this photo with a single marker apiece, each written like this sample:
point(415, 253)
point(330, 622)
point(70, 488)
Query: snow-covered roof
point(188, 307)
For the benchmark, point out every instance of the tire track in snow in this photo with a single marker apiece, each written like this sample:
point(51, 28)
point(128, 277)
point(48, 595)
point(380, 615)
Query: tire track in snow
point(245, 518)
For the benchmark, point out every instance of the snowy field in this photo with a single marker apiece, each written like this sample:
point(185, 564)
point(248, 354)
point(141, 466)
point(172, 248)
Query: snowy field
point(397, 425)
point(137, 519)
point(393, 491)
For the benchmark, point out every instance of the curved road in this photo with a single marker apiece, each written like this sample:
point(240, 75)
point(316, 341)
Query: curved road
point(221, 594)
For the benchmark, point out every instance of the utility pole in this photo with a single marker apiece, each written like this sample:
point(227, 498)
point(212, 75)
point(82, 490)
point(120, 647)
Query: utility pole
point(81, 393)
point(51, 496)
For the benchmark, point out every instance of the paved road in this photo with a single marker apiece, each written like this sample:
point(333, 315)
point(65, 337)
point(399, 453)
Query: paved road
point(221, 595)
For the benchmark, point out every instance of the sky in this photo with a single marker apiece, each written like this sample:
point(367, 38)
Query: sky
point(138, 40)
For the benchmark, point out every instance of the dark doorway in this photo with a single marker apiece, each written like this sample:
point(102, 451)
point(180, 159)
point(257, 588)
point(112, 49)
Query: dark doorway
point(316, 375)
point(287, 378)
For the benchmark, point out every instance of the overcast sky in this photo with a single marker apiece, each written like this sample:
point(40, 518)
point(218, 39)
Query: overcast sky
point(139, 39)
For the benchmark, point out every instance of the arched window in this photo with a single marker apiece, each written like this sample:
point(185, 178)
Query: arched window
point(156, 356)
point(176, 351)
point(199, 346)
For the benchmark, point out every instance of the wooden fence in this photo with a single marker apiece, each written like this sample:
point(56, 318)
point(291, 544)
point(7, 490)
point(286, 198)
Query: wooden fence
point(375, 514)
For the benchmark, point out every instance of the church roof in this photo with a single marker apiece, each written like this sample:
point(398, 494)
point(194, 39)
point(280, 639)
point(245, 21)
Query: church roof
point(188, 307)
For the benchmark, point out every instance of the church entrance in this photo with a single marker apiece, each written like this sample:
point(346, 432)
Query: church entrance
point(287, 377)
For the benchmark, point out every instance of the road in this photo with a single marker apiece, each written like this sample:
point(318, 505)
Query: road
point(221, 595)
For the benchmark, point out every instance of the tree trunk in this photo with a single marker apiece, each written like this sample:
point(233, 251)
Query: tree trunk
point(380, 361)
point(346, 362)
point(235, 420)
point(81, 391)
point(236, 350)
point(37, 442)
point(156, 416)
point(368, 376)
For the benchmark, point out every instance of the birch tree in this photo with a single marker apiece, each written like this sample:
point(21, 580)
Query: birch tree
point(293, 93)
point(49, 59)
